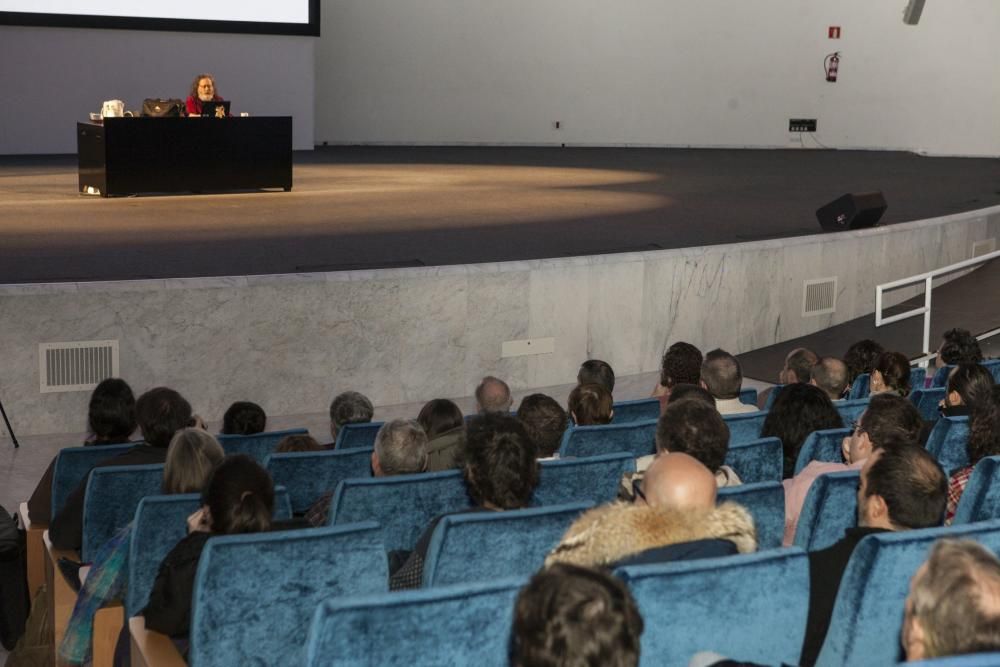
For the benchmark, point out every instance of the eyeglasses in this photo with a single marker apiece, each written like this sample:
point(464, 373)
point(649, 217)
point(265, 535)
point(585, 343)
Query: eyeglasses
point(637, 489)
point(856, 427)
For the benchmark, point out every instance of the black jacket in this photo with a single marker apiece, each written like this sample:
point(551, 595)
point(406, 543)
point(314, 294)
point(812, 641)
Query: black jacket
point(169, 607)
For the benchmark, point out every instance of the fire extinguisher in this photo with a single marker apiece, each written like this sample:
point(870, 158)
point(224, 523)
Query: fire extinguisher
point(831, 64)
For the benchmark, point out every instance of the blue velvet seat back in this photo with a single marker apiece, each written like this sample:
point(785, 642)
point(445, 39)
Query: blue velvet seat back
point(766, 503)
point(948, 441)
point(744, 427)
point(308, 475)
point(980, 500)
point(850, 411)
point(830, 508)
point(72, 466)
point(257, 446)
point(255, 594)
point(637, 438)
point(464, 624)
point(868, 614)
point(757, 460)
point(643, 409)
point(356, 436)
point(861, 387)
point(160, 523)
point(591, 479)
point(753, 606)
point(918, 376)
point(748, 395)
point(970, 660)
point(823, 445)
point(773, 396)
point(113, 493)
point(403, 505)
point(483, 546)
point(940, 377)
point(993, 366)
point(927, 401)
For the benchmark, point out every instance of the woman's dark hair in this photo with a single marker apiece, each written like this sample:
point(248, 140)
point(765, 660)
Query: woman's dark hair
point(694, 391)
point(297, 443)
point(590, 404)
point(958, 346)
point(438, 416)
point(681, 364)
point(240, 496)
point(984, 428)
point(545, 420)
point(244, 418)
point(798, 410)
point(499, 462)
point(895, 370)
point(860, 358)
point(972, 382)
point(111, 414)
point(161, 412)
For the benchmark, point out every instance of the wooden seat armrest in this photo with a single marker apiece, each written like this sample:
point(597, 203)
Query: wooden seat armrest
point(151, 648)
point(36, 550)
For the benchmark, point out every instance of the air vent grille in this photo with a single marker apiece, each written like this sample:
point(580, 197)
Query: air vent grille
point(819, 297)
point(76, 366)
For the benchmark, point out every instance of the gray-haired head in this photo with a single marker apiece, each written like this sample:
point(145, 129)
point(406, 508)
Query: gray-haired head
point(493, 396)
point(349, 407)
point(400, 448)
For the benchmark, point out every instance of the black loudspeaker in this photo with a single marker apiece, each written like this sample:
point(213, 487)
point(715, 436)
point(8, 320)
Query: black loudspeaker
point(852, 211)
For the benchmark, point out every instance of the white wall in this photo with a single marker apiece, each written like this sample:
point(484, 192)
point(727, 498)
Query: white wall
point(53, 77)
point(683, 72)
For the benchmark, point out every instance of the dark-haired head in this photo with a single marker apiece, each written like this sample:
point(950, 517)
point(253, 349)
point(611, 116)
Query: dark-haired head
point(545, 420)
point(161, 412)
point(695, 391)
point(860, 357)
point(438, 416)
point(958, 346)
point(499, 462)
point(984, 428)
point(111, 413)
point(969, 385)
point(891, 373)
point(681, 364)
point(244, 418)
point(297, 443)
point(798, 410)
point(909, 488)
point(691, 426)
point(595, 371)
point(891, 418)
point(239, 496)
point(590, 405)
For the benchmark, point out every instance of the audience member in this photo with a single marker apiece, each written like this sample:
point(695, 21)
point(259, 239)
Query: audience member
point(968, 385)
point(888, 421)
point(444, 425)
point(681, 391)
point(891, 374)
point(798, 410)
point(493, 396)
point(160, 412)
point(681, 364)
point(244, 418)
point(238, 498)
point(595, 371)
point(692, 426)
point(298, 443)
point(958, 346)
point(674, 517)
point(590, 405)
point(860, 358)
point(798, 366)
point(984, 440)
point(546, 422)
point(901, 488)
point(501, 473)
point(954, 603)
point(570, 616)
point(110, 421)
point(349, 407)
point(722, 377)
point(830, 375)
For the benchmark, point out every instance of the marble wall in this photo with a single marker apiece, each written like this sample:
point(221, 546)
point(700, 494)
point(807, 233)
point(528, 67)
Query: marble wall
point(401, 335)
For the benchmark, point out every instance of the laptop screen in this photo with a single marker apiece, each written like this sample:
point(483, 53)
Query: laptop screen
point(215, 109)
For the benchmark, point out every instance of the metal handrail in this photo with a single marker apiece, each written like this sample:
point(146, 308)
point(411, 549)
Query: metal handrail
point(925, 310)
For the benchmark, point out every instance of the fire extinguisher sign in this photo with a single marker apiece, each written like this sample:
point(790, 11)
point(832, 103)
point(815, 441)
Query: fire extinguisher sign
point(834, 32)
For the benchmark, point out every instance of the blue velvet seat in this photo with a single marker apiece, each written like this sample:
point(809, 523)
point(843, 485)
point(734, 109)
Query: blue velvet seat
point(308, 475)
point(257, 446)
point(113, 493)
point(868, 613)
point(483, 546)
point(748, 395)
point(850, 411)
point(160, 523)
point(72, 466)
point(637, 438)
point(773, 396)
point(823, 445)
point(948, 442)
point(940, 377)
point(254, 594)
point(927, 401)
point(744, 427)
point(860, 387)
point(980, 500)
point(830, 508)
point(969, 660)
point(591, 479)
point(643, 409)
point(403, 505)
point(753, 606)
point(464, 624)
point(766, 503)
point(356, 436)
point(993, 366)
point(918, 376)
point(757, 460)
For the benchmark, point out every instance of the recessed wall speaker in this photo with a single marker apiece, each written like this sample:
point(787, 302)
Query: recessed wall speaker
point(852, 211)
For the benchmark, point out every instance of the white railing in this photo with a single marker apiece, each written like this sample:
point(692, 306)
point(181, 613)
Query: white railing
point(925, 310)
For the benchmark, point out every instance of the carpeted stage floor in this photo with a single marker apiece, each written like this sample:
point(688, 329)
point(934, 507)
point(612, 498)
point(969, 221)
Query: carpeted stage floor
point(369, 207)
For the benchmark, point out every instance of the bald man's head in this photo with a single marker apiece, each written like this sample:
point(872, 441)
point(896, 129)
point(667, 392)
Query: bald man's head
point(679, 481)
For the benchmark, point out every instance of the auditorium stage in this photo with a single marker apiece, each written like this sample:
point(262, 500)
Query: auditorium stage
point(378, 207)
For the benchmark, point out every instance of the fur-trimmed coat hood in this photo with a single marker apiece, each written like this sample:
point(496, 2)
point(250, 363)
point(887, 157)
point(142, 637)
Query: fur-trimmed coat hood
point(613, 532)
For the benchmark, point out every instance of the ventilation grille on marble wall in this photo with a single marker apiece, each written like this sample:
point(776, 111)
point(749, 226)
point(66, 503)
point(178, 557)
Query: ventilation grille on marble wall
point(819, 297)
point(76, 366)
point(984, 247)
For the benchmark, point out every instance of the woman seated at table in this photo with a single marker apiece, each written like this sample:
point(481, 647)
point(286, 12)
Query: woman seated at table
point(202, 90)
